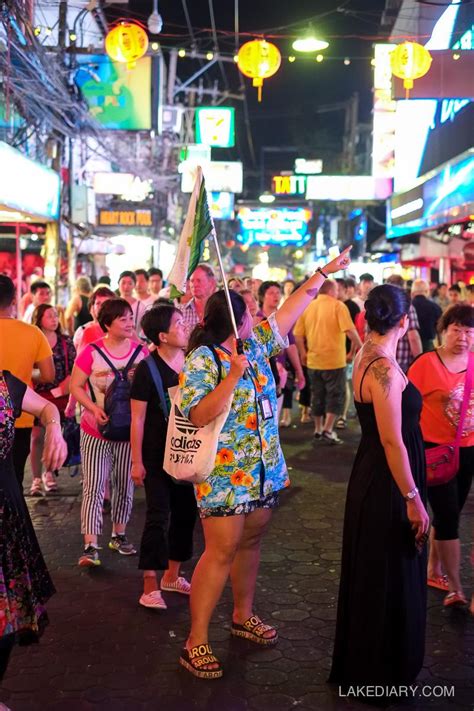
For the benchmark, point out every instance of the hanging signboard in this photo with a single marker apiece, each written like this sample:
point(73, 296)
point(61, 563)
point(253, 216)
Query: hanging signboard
point(125, 218)
point(215, 126)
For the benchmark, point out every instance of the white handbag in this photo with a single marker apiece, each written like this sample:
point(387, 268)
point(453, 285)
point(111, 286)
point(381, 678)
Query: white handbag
point(190, 452)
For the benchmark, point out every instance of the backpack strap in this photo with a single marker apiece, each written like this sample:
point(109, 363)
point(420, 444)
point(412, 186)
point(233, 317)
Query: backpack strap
point(158, 382)
point(218, 363)
point(121, 375)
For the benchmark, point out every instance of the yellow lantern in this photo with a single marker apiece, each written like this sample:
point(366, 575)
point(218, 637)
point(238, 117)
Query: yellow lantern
point(126, 42)
point(410, 61)
point(258, 60)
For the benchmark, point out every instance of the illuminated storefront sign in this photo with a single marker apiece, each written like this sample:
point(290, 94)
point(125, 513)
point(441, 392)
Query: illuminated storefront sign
point(125, 218)
point(215, 126)
point(347, 187)
point(446, 195)
point(289, 184)
point(383, 151)
point(308, 167)
point(28, 186)
point(282, 226)
point(220, 176)
point(221, 205)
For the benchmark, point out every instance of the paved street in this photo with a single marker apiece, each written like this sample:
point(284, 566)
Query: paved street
point(103, 651)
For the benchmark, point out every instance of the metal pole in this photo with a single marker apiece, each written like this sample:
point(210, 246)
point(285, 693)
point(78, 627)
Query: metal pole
point(224, 280)
point(19, 270)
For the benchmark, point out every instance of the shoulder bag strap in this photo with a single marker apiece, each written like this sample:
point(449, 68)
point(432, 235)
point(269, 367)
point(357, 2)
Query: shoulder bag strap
point(66, 359)
point(466, 399)
point(157, 380)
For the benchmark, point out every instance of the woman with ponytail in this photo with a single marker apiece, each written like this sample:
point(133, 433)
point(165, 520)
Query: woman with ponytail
point(236, 501)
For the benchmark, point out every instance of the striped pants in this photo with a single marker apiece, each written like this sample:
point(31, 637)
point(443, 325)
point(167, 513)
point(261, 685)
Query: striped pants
point(101, 459)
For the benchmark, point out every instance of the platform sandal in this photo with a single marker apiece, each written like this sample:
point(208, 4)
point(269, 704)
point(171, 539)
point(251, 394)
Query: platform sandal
point(254, 630)
point(200, 656)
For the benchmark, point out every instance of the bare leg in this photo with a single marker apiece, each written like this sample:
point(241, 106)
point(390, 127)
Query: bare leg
point(222, 537)
point(150, 582)
point(37, 443)
point(318, 425)
point(329, 421)
point(172, 574)
point(450, 555)
point(434, 563)
point(244, 569)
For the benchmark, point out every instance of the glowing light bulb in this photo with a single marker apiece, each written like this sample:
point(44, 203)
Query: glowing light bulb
point(291, 58)
point(182, 53)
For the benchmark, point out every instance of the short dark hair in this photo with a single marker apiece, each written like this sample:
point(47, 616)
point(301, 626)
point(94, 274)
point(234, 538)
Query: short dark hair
point(158, 320)
point(385, 307)
point(350, 283)
point(37, 285)
point(442, 283)
point(111, 310)
point(7, 291)
point(366, 277)
point(459, 314)
point(455, 287)
point(143, 272)
point(154, 271)
point(264, 287)
point(128, 273)
point(104, 280)
point(100, 291)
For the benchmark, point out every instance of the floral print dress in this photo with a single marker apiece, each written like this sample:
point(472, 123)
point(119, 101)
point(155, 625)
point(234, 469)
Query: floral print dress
point(250, 467)
point(25, 584)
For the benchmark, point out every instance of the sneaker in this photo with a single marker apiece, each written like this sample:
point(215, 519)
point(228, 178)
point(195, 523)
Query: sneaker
point(180, 585)
point(317, 436)
point(120, 544)
point(90, 557)
point(49, 481)
point(331, 438)
point(36, 488)
point(153, 600)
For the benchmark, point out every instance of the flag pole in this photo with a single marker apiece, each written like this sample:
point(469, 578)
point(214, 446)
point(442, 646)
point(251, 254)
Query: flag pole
point(224, 280)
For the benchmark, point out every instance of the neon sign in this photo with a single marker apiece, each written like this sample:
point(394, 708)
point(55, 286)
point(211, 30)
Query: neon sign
point(282, 226)
point(289, 184)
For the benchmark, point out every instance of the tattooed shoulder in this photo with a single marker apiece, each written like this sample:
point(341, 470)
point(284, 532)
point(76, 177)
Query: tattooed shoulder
point(381, 373)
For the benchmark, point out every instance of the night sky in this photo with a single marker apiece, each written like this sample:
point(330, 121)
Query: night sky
point(287, 116)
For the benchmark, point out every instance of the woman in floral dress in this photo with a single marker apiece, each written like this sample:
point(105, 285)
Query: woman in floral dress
point(25, 585)
point(236, 500)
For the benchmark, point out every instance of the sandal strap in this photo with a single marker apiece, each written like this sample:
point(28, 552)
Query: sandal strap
point(201, 655)
point(255, 625)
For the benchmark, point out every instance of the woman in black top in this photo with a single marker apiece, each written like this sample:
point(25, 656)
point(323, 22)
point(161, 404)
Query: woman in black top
point(171, 508)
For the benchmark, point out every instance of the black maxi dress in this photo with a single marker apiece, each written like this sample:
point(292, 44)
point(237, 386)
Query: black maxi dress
point(25, 584)
point(380, 632)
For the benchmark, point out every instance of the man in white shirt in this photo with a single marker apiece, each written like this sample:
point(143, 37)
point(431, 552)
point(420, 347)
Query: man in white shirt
point(366, 284)
point(41, 294)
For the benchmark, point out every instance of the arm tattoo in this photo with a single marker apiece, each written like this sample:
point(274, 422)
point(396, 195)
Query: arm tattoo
point(312, 292)
point(381, 373)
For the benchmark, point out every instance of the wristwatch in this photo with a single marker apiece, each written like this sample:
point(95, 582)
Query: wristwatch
point(322, 273)
point(411, 494)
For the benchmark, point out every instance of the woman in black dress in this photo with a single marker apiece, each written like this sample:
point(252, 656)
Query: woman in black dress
point(380, 633)
point(25, 585)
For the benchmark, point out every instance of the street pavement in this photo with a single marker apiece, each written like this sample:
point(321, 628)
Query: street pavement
point(103, 651)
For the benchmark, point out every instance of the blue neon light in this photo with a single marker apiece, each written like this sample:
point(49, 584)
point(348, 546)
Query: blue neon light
point(278, 226)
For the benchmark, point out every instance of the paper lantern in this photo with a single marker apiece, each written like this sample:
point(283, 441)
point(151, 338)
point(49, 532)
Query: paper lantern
point(258, 60)
point(410, 61)
point(126, 42)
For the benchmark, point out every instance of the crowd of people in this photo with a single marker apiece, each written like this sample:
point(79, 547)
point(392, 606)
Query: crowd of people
point(400, 355)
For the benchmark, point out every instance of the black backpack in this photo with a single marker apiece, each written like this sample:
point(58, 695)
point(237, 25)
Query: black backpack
point(117, 400)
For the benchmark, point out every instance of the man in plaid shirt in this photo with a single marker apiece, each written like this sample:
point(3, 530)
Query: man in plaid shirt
point(409, 346)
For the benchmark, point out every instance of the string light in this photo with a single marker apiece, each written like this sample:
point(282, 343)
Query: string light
point(155, 46)
point(73, 37)
point(347, 61)
point(181, 53)
point(48, 31)
point(291, 58)
point(37, 31)
point(319, 58)
point(209, 56)
point(456, 56)
point(236, 58)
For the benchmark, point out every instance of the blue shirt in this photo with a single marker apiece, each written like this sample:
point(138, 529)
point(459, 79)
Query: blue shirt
point(249, 462)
